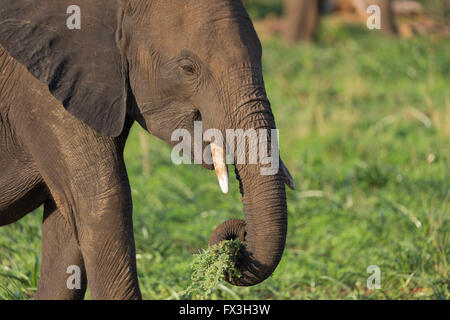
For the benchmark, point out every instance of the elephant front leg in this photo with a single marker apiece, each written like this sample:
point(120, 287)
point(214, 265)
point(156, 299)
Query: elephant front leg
point(62, 275)
point(107, 243)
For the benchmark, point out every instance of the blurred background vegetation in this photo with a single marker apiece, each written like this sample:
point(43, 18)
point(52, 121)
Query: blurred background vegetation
point(364, 125)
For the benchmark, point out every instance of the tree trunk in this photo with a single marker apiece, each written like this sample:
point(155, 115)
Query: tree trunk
point(388, 25)
point(301, 19)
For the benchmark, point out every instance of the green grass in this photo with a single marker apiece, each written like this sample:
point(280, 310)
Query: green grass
point(365, 130)
point(213, 265)
point(261, 8)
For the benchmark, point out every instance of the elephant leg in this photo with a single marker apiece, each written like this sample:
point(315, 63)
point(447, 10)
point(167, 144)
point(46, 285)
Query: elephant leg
point(86, 175)
point(60, 254)
point(107, 243)
point(94, 233)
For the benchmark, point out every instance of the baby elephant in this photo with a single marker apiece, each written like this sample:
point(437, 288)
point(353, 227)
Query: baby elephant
point(74, 79)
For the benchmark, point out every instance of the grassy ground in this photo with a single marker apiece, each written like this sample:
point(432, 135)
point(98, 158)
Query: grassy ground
point(365, 130)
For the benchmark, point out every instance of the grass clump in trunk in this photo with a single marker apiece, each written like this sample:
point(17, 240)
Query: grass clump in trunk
point(212, 265)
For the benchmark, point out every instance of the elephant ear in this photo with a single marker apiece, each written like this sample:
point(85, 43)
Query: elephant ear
point(82, 67)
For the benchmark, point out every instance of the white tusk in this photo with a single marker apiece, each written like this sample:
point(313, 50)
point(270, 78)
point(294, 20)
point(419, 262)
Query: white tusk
point(287, 176)
point(218, 156)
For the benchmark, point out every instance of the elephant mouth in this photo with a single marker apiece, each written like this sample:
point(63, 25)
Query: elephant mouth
point(221, 169)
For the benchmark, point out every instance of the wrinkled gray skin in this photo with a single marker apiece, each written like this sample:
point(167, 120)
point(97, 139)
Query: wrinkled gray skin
point(68, 99)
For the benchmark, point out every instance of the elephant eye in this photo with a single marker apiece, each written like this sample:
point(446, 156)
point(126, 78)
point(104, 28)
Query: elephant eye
point(188, 66)
point(188, 69)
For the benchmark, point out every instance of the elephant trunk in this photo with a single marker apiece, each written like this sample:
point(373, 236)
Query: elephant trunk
point(264, 229)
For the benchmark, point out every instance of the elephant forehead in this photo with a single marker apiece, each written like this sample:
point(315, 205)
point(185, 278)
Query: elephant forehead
point(219, 32)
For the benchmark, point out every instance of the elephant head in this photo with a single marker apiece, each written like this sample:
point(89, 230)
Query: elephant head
point(165, 64)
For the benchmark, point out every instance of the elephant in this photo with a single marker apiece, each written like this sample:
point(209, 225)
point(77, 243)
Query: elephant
point(68, 99)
